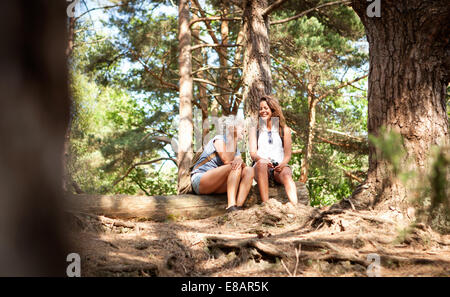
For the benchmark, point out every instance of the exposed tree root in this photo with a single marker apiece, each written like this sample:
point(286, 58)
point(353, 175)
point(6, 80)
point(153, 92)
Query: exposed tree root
point(264, 248)
point(129, 270)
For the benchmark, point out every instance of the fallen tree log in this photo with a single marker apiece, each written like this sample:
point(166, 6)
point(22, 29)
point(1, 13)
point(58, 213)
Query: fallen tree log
point(278, 193)
point(162, 208)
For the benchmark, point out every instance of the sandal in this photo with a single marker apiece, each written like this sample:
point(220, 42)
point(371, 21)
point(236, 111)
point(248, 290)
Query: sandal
point(233, 208)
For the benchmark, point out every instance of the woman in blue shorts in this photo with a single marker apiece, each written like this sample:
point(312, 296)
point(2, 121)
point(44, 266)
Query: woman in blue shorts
point(221, 169)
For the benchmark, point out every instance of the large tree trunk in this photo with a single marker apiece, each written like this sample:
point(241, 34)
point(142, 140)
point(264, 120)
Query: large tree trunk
point(68, 183)
point(409, 72)
point(186, 128)
point(35, 110)
point(256, 71)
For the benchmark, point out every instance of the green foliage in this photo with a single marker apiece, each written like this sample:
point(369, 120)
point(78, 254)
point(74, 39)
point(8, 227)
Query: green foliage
point(439, 179)
point(338, 19)
point(112, 128)
point(327, 182)
point(124, 82)
point(434, 191)
point(391, 148)
point(108, 135)
point(149, 182)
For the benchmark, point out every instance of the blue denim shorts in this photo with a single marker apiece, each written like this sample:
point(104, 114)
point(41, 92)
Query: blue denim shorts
point(195, 181)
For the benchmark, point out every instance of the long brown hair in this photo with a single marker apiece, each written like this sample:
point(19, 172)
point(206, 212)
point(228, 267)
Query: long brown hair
point(275, 107)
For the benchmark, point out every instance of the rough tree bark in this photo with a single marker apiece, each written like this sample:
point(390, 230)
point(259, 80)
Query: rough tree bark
point(186, 128)
point(68, 183)
point(256, 69)
point(35, 111)
point(409, 72)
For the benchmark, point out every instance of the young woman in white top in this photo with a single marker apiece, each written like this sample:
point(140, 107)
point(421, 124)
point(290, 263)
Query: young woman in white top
point(270, 149)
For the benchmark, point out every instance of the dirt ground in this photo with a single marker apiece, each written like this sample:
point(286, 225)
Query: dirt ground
point(273, 239)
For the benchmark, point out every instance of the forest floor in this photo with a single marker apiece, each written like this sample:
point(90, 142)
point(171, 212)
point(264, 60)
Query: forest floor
point(271, 239)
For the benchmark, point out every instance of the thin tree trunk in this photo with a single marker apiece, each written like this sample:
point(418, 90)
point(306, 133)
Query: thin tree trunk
point(201, 86)
point(221, 51)
point(35, 111)
point(409, 73)
point(185, 130)
point(215, 108)
point(237, 63)
point(309, 141)
point(223, 62)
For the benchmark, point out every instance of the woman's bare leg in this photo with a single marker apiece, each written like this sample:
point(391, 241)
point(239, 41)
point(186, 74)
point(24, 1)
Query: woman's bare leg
point(215, 180)
point(262, 177)
point(285, 177)
point(232, 185)
point(246, 183)
point(220, 180)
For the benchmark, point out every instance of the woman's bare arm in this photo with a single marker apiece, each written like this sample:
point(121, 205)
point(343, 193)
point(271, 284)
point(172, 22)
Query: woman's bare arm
point(253, 144)
point(221, 148)
point(287, 144)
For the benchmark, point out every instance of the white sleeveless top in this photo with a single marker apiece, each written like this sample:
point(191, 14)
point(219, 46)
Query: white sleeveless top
point(274, 150)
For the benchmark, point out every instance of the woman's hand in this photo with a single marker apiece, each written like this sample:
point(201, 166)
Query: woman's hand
point(237, 163)
point(280, 167)
point(266, 161)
